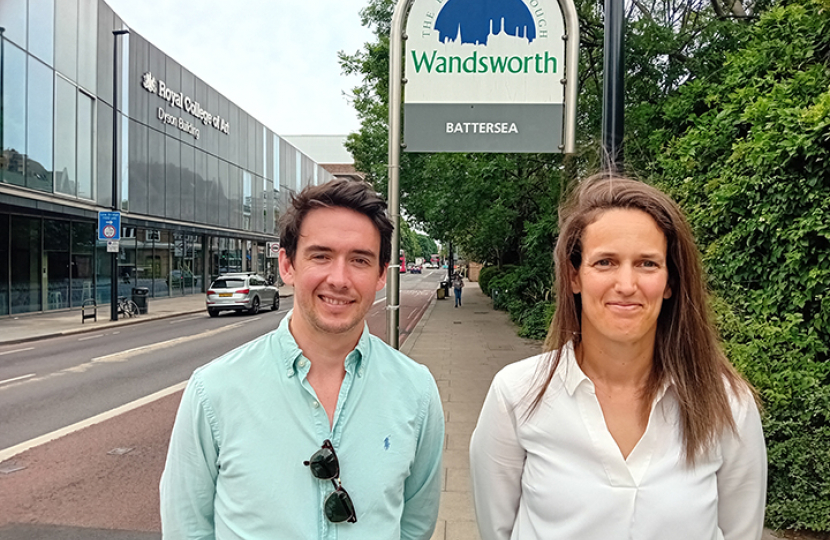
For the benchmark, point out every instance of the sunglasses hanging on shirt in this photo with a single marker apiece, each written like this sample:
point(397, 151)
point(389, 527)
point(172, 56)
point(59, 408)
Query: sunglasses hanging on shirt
point(338, 506)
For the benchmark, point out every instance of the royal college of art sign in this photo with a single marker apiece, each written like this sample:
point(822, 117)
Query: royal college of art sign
point(484, 76)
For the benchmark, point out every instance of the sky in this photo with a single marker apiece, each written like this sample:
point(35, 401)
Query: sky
point(276, 59)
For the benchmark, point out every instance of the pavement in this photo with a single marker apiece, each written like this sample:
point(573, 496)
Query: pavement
point(463, 348)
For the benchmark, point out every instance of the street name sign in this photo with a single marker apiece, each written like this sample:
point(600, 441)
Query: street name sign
point(485, 76)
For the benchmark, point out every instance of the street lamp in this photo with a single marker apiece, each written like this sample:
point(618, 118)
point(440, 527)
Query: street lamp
point(114, 255)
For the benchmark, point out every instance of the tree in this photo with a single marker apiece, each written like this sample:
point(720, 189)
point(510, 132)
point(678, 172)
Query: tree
point(428, 246)
point(746, 152)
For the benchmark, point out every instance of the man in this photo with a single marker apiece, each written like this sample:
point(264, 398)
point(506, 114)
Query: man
point(317, 430)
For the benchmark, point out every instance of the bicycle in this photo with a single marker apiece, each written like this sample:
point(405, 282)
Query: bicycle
point(127, 307)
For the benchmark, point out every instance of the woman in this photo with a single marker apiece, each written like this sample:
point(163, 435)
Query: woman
point(457, 285)
point(634, 424)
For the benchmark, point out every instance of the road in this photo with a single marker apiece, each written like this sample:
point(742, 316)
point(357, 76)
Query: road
point(105, 476)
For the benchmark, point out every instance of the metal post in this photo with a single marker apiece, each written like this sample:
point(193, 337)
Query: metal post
point(613, 84)
point(450, 262)
point(393, 275)
point(2, 98)
point(115, 206)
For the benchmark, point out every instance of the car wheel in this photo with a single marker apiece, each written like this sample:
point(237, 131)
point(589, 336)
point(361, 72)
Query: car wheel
point(213, 312)
point(254, 306)
point(276, 305)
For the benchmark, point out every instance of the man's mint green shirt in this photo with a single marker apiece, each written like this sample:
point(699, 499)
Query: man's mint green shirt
point(249, 419)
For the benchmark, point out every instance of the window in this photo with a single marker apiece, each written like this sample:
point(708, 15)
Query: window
point(87, 43)
point(13, 162)
point(82, 269)
point(25, 269)
point(267, 209)
point(65, 132)
point(66, 38)
point(246, 200)
point(276, 177)
point(124, 146)
point(39, 132)
point(13, 15)
point(75, 130)
point(42, 29)
point(86, 140)
point(298, 163)
point(4, 264)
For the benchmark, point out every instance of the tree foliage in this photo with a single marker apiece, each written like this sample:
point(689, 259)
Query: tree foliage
point(727, 109)
point(745, 149)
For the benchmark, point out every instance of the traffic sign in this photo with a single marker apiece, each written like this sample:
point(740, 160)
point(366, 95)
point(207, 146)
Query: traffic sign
point(273, 250)
point(109, 225)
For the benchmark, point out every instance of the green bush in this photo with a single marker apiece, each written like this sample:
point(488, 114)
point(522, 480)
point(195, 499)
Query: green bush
point(495, 279)
point(485, 276)
point(524, 292)
point(788, 365)
point(535, 320)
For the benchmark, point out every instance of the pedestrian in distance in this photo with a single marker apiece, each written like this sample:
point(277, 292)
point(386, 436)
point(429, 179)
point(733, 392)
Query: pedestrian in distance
point(633, 424)
point(457, 285)
point(317, 429)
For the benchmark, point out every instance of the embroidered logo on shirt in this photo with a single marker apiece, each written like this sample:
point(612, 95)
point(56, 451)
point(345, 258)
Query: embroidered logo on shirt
point(386, 443)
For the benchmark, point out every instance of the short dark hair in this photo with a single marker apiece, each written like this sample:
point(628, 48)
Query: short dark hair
point(353, 195)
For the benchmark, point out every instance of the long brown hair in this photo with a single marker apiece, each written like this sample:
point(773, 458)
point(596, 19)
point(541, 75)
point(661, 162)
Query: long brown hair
point(687, 350)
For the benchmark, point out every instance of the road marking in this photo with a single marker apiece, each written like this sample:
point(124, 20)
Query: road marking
point(187, 319)
point(419, 313)
point(379, 301)
point(16, 350)
point(123, 356)
point(90, 337)
point(97, 419)
point(18, 378)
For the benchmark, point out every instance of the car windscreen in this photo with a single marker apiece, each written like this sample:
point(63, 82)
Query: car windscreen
point(227, 283)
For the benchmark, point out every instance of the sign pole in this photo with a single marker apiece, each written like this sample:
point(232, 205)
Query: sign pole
point(447, 116)
point(114, 255)
point(613, 85)
point(393, 273)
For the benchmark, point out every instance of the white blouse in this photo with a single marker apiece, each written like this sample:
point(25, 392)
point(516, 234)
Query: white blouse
point(559, 474)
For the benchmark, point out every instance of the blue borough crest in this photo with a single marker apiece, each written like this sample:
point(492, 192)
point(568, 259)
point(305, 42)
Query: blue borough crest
point(474, 21)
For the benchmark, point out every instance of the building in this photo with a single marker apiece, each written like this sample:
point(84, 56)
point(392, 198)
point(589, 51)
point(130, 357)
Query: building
point(200, 183)
point(330, 152)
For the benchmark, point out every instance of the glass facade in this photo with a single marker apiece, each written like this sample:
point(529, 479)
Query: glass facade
point(14, 115)
point(40, 117)
point(200, 183)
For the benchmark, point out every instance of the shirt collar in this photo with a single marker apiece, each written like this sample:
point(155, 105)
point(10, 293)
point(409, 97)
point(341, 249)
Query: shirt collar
point(572, 375)
point(356, 360)
point(569, 371)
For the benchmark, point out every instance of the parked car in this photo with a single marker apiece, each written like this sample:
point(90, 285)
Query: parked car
point(415, 270)
point(244, 291)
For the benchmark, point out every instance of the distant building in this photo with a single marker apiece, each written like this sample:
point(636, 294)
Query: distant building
point(330, 152)
point(200, 183)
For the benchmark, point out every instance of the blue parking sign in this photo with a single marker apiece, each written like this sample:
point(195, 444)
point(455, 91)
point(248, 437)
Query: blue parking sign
point(109, 225)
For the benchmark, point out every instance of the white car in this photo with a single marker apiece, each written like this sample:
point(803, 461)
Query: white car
point(241, 292)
